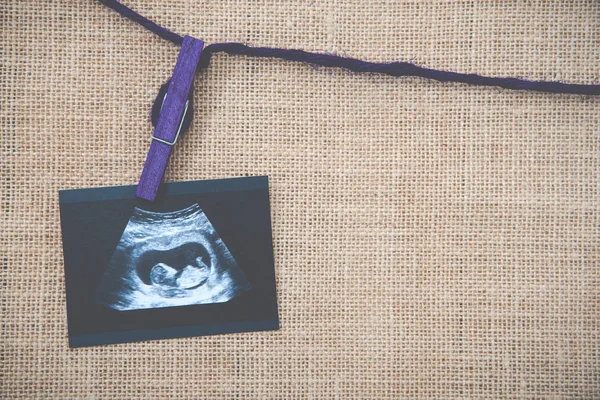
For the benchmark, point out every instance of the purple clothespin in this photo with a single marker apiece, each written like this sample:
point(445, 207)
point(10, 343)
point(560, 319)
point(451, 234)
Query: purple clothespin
point(170, 119)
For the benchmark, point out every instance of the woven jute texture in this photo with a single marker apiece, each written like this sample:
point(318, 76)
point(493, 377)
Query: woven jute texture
point(431, 240)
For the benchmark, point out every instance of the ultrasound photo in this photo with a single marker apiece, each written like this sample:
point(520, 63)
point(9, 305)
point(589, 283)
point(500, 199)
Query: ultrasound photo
point(167, 259)
point(197, 261)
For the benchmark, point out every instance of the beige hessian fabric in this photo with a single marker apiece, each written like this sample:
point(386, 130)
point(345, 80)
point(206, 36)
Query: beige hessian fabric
point(431, 240)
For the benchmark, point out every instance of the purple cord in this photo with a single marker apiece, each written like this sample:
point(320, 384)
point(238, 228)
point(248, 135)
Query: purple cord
point(352, 64)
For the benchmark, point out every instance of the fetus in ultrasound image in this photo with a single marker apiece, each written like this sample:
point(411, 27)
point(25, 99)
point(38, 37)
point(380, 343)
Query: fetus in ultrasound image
point(169, 259)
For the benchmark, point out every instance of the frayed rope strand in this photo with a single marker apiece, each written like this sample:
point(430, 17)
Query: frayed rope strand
point(352, 64)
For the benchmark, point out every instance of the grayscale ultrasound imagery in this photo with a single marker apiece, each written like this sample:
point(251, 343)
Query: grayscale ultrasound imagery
point(169, 259)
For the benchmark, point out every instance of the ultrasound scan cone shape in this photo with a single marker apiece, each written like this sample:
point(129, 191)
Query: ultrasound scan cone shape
point(170, 259)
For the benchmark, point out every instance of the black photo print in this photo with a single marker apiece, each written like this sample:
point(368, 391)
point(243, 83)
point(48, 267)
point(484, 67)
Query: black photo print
point(197, 261)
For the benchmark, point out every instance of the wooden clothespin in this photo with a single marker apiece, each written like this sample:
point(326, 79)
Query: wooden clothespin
point(171, 118)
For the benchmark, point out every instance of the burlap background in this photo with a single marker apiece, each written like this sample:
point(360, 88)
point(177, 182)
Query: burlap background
point(431, 240)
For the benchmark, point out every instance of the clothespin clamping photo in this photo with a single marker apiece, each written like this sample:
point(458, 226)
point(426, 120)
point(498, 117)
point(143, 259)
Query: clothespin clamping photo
point(170, 120)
